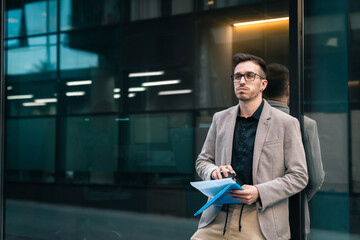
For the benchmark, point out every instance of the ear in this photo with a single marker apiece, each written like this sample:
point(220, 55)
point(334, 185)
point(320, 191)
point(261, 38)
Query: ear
point(287, 91)
point(264, 84)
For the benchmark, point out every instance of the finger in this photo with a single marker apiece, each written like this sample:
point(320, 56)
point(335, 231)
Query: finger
point(218, 174)
point(223, 169)
point(230, 169)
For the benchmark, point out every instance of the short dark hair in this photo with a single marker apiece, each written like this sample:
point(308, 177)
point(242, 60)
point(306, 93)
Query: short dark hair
point(277, 76)
point(244, 57)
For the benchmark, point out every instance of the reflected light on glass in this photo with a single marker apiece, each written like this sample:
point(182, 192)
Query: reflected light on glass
point(46, 100)
point(14, 97)
point(116, 90)
point(13, 20)
point(131, 95)
point(74, 94)
point(174, 92)
point(146, 74)
point(77, 83)
point(33, 104)
point(137, 89)
point(9, 88)
point(117, 96)
point(160, 83)
point(261, 21)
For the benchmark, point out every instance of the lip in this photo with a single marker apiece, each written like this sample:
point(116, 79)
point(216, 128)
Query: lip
point(241, 89)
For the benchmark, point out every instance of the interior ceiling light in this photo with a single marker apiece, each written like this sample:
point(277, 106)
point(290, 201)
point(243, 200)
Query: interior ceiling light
point(146, 74)
point(261, 21)
point(117, 90)
point(131, 95)
point(117, 96)
point(160, 83)
point(46, 100)
point(73, 94)
point(14, 97)
point(136, 89)
point(77, 83)
point(33, 104)
point(174, 92)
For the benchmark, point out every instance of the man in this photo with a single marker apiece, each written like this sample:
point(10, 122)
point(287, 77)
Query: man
point(277, 94)
point(263, 146)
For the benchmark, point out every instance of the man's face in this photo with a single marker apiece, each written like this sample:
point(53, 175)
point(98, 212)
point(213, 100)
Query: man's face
point(248, 91)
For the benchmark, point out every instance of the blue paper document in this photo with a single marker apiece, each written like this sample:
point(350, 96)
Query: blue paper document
point(218, 191)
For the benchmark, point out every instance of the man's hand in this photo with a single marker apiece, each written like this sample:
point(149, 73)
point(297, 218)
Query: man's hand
point(249, 195)
point(216, 174)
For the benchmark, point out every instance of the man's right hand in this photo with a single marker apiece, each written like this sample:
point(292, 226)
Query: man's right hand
point(216, 174)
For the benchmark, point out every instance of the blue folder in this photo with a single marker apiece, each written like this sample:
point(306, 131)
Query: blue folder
point(218, 191)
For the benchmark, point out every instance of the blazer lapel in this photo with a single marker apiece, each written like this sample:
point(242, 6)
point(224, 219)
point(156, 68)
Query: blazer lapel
point(231, 121)
point(261, 133)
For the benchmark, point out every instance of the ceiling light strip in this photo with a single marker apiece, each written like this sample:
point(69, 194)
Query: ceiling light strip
point(14, 97)
point(146, 74)
point(78, 83)
point(174, 92)
point(261, 21)
point(160, 83)
point(74, 94)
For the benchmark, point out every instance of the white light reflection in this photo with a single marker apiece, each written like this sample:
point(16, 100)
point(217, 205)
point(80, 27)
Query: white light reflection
point(175, 92)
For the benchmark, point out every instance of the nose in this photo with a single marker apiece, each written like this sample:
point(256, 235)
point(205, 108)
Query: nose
point(241, 78)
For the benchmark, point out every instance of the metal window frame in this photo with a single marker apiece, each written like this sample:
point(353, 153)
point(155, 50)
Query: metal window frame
point(2, 122)
point(296, 53)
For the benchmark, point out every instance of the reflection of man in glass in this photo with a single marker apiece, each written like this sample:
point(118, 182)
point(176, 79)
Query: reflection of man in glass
point(277, 94)
point(263, 146)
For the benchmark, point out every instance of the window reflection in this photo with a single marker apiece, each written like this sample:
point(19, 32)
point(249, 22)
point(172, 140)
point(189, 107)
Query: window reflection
point(158, 143)
point(31, 55)
point(13, 23)
point(34, 17)
point(32, 99)
point(75, 58)
point(145, 9)
point(31, 148)
point(91, 154)
point(88, 13)
point(40, 17)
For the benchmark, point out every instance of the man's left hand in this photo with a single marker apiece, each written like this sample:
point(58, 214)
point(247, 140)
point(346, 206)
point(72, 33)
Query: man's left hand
point(249, 195)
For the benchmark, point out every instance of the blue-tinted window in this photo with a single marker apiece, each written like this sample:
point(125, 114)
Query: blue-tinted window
point(31, 55)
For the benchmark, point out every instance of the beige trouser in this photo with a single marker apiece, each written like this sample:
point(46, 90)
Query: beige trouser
point(250, 228)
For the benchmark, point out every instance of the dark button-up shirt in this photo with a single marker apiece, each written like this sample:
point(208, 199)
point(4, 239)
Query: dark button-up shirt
point(243, 146)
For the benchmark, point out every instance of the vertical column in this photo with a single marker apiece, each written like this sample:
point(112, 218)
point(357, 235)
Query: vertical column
point(2, 117)
point(296, 40)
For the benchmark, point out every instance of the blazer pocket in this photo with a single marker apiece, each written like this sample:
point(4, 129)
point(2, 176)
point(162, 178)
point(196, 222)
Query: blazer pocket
point(272, 142)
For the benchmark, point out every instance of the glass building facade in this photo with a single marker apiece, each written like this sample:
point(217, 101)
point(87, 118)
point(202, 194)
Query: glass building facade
point(108, 103)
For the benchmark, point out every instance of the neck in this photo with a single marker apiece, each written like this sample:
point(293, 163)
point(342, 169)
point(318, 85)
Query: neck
point(247, 108)
point(282, 99)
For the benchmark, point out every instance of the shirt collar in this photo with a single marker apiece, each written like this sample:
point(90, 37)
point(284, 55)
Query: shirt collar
point(258, 111)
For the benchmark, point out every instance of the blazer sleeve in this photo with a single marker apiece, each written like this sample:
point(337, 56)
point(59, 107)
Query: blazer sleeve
point(205, 163)
point(295, 177)
point(313, 158)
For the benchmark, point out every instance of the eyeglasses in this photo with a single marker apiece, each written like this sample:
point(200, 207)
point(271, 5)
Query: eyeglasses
point(248, 76)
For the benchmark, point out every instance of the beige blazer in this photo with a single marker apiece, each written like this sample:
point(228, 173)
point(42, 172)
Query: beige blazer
point(279, 165)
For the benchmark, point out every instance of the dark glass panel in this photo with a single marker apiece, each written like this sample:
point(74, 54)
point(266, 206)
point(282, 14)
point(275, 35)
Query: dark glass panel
point(90, 149)
point(158, 143)
point(145, 9)
point(75, 14)
point(30, 150)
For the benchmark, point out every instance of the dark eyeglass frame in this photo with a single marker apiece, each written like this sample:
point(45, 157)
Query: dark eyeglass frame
point(246, 77)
